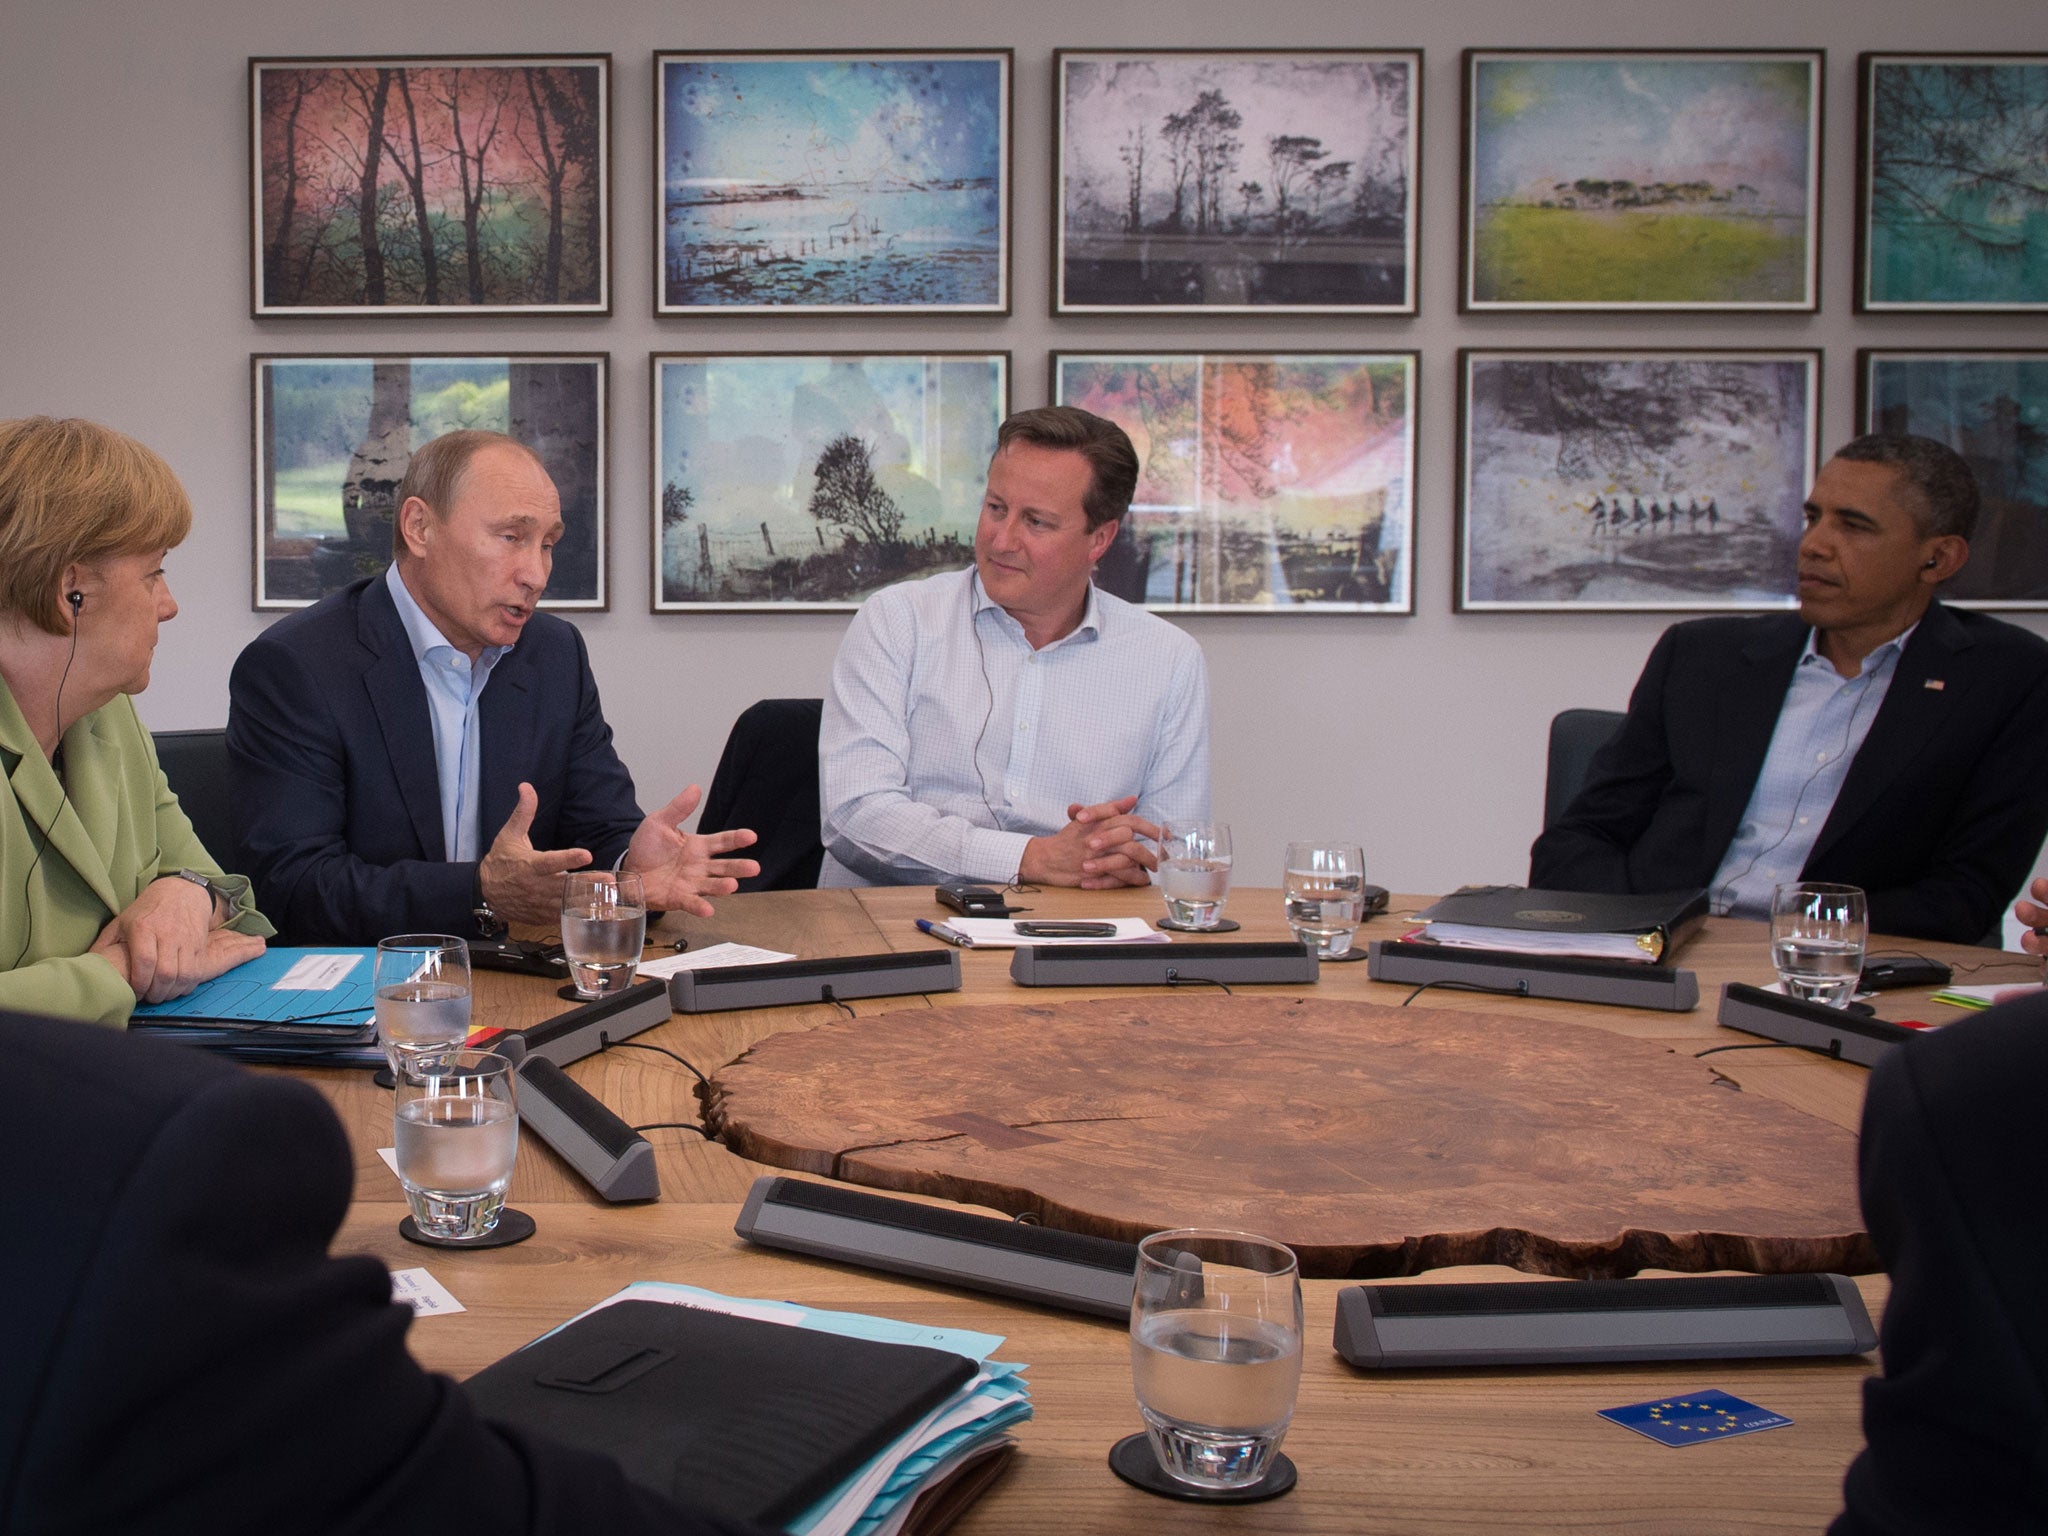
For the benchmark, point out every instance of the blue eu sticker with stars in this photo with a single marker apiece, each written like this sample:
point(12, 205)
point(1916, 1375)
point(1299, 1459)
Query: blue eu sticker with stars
point(1694, 1418)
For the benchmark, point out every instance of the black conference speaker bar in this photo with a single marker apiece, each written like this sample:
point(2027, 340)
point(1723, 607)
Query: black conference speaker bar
point(1793, 1021)
point(1568, 1322)
point(1575, 978)
point(1160, 965)
point(1070, 1270)
point(814, 981)
point(613, 1158)
point(584, 1029)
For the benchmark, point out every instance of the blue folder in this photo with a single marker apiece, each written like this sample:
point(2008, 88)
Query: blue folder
point(319, 988)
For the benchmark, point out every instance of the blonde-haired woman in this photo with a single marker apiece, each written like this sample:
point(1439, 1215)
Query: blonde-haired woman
point(107, 897)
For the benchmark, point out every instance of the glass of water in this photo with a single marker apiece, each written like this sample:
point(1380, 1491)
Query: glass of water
point(1215, 1352)
point(458, 1136)
point(1325, 894)
point(1194, 873)
point(1818, 935)
point(604, 928)
point(422, 992)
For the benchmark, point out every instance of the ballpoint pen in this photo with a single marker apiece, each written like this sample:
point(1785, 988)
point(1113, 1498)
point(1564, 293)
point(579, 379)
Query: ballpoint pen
point(941, 931)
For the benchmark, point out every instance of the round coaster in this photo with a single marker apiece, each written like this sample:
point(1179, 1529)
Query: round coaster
point(1221, 925)
point(1132, 1460)
point(383, 1079)
point(513, 1227)
point(1355, 952)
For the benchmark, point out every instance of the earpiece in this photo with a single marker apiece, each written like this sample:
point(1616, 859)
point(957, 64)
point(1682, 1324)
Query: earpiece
point(75, 599)
point(1930, 565)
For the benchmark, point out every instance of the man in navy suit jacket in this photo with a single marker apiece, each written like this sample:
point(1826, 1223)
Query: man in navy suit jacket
point(424, 751)
point(181, 1354)
point(1731, 773)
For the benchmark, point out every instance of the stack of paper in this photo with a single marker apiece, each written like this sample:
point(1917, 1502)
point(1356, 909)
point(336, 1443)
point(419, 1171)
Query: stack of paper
point(1001, 933)
point(307, 1007)
point(880, 1499)
point(1984, 997)
point(1529, 941)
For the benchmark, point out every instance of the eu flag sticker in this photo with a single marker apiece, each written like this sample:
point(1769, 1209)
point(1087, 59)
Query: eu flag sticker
point(1695, 1418)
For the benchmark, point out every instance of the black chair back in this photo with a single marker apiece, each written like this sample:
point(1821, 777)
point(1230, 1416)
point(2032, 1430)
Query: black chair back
point(1575, 735)
point(768, 780)
point(196, 765)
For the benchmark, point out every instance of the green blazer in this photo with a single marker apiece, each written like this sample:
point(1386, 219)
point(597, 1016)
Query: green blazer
point(118, 828)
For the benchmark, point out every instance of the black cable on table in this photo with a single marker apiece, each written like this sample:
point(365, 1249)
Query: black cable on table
point(1519, 989)
point(604, 1043)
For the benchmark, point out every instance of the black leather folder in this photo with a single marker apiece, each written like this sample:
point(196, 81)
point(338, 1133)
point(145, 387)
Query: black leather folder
point(1659, 921)
point(751, 1420)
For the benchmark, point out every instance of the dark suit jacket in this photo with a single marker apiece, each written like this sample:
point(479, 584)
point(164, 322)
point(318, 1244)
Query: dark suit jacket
point(180, 1354)
point(1940, 815)
point(331, 748)
point(1952, 1174)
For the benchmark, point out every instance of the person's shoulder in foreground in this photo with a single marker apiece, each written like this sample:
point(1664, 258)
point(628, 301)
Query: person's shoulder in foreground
point(1952, 1169)
point(181, 1354)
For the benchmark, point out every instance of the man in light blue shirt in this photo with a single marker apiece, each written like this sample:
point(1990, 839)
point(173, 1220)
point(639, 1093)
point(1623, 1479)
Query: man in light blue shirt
point(454, 683)
point(1010, 722)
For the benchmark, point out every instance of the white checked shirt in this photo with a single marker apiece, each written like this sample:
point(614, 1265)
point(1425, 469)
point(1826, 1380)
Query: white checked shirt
point(940, 758)
point(453, 687)
point(1820, 730)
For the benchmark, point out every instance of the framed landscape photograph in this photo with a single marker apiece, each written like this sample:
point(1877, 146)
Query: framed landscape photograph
point(1633, 480)
point(810, 480)
point(1236, 180)
point(334, 434)
point(1952, 211)
point(832, 183)
point(409, 186)
point(1270, 482)
point(1633, 179)
point(1991, 406)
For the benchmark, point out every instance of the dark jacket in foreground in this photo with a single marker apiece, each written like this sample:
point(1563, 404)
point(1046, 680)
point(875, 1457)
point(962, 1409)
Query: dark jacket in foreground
point(1939, 818)
point(331, 748)
point(1952, 1179)
point(181, 1355)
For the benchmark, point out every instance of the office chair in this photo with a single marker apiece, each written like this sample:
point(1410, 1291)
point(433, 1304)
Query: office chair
point(1575, 735)
point(767, 779)
point(196, 765)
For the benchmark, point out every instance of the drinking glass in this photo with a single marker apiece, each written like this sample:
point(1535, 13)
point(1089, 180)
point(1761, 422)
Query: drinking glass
point(457, 1128)
point(422, 992)
point(1818, 935)
point(604, 928)
point(1325, 894)
point(1215, 1352)
point(1194, 873)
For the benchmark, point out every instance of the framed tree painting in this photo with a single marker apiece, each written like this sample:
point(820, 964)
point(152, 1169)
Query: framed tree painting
point(1953, 183)
point(832, 183)
point(1269, 482)
point(409, 186)
point(334, 434)
point(810, 480)
point(1631, 179)
point(1990, 406)
point(1236, 181)
point(1633, 480)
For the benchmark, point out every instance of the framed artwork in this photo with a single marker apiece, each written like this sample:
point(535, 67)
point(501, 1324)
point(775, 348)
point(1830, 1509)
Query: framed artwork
point(810, 480)
point(409, 186)
point(334, 434)
point(1992, 408)
point(1270, 482)
point(1633, 480)
point(832, 183)
point(1633, 179)
point(1236, 180)
point(1953, 182)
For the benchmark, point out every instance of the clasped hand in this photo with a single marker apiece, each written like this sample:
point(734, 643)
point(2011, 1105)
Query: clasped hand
point(1098, 849)
point(165, 943)
point(677, 869)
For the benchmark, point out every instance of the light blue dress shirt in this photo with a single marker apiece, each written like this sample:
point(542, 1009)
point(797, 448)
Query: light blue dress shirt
point(1820, 730)
point(453, 687)
point(948, 743)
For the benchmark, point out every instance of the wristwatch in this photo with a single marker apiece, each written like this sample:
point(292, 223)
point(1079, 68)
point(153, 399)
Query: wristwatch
point(488, 923)
point(223, 894)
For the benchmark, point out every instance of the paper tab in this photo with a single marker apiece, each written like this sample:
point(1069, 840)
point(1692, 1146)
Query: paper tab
point(710, 959)
point(426, 1296)
point(316, 973)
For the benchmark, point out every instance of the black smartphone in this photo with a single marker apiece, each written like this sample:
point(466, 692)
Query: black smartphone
point(973, 900)
point(1056, 930)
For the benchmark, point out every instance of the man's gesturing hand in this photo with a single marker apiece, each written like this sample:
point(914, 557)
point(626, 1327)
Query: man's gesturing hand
point(1097, 850)
point(680, 869)
point(522, 884)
